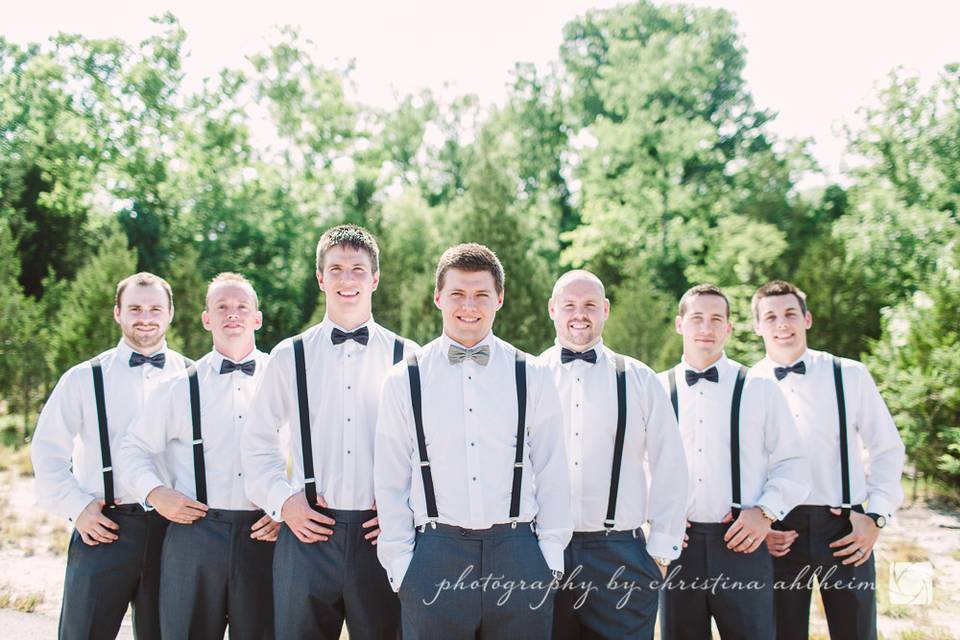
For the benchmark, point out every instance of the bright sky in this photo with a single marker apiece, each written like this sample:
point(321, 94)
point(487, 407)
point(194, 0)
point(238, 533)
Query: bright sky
point(814, 62)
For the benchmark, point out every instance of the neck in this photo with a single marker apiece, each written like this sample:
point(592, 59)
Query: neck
point(786, 358)
point(147, 351)
point(578, 347)
point(349, 320)
point(469, 343)
point(236, 350)
point(701, 361)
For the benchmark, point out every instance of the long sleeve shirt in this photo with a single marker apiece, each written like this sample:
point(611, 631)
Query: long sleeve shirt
point(343, 390)
point(811, 398)
point(588, 398)
point(65, 448)
point(166, 425)
point(773, 469)
point(470, 424)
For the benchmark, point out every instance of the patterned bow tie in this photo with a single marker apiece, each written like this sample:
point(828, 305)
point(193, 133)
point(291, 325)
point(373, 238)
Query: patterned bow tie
point(568, 355)
point(480, 355)
point(157, 360)
point(781, 372)
point(711, 375)
point(247, 367)
point(361, 335)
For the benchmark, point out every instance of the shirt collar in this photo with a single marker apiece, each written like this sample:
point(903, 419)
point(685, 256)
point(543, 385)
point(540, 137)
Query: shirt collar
point(446, 341)
point(598, 347)
point(124, 350)
point(804, 357)
point(722, 364)
point(329, 325)
point(216, 358)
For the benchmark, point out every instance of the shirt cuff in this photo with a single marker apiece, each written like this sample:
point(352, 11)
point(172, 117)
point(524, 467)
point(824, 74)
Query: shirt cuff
point(275, 499)
point(663, 545)
point(74, 504)
point(398, 570)
point(553, 554)
point(879, 504)
point(771, 500)
point(148, 483)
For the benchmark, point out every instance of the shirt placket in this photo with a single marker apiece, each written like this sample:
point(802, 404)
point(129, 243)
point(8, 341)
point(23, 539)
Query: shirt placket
point(576, 442)
point(238, 411)
point(471, 407)
point(349, 394)
point(701, 451)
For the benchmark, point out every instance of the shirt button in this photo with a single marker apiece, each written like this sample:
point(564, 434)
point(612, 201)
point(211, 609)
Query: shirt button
point(348, 420)
point(576, 433)
point(469, 377)
point(348, 450)
point(239, 475)
point(701, 420)
point(474, 478)
point(470, 410)
point(578, 404)
point(471, 444)
point(348, 386)
point(578, 379)
point(576, 464)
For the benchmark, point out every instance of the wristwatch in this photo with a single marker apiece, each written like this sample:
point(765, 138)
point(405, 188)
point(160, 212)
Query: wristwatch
point(767, 513)
point(878, 520)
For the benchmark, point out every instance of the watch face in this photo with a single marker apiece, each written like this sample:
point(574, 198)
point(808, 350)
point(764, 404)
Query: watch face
point(881, 522)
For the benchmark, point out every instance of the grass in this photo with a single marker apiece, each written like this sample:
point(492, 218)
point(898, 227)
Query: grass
point(23, 602)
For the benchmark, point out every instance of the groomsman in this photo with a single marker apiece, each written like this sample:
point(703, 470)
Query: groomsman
point(218, 552)
point(747, 471)
point(471, 473)
point(114, 555)
point(325, 383)
point(839, 413)
point(616, 418)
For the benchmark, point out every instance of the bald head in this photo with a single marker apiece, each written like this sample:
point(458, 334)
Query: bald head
point(579, 309)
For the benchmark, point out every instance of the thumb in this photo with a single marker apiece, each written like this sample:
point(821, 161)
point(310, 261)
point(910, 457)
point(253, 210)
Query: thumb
point(835, 511)
point(727, 518)
point(101, 503)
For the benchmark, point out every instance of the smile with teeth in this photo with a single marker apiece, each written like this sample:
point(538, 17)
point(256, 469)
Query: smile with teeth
point(349, 294)
point(579, 326)
point(468, 320)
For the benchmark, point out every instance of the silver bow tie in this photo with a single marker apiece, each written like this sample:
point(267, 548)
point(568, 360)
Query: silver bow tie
point(480, 355)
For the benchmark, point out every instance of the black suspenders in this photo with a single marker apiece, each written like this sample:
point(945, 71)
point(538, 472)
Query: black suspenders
point(610, 520)
point(734, 431)
point(520, 370)
point(199, 469)
point(303, 405)
point(107, 465)
point(844, 452)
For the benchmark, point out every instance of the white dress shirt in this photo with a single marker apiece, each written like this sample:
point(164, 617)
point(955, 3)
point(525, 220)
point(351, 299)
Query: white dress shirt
point(588, 396)
point(66, 445)
point(773, 469)
point(343, 389)
point(812, 401)
point(470, 424)
point(166, 424)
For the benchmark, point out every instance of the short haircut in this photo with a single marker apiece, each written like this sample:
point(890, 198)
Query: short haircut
point(702, 290)
point(777, 288)
point(143, 279)
point(229, 277)
point(349, 235)
point(577, 274)
point(470, 257)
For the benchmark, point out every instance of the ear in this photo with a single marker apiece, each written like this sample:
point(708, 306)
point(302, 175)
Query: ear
point(500, 300)
point(436, 298)
point(320, 280)
point(116, 314)
point(551, 309)
point(756, 327)
point(258, 320)
point(808, 320)
point(678, 324)
point(606, 308)
point(205, 319)
point(376, 280)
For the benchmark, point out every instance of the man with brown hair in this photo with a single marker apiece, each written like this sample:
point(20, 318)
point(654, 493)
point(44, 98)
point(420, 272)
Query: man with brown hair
point(218, 552)
point(471, 474)
point(746, 470)
point(325, 385)
point(114, 555)
point(839, 413)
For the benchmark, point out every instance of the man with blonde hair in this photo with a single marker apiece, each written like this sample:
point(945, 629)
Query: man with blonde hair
point(218, 553)
point(114, 556)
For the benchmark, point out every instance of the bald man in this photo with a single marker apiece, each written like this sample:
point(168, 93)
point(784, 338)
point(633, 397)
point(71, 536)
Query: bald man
point(616, 417)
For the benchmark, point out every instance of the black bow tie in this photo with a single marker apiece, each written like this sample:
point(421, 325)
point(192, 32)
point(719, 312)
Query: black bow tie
point(710, 375)
point(361, 335)
point(157, 360)
point(568, 355)
point(781, 372)
point(247, 367)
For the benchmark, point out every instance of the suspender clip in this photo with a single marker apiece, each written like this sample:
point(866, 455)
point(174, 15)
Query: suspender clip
point(105, 469)
point(197, 441)
point(608, 526)
point(518, 465)
point(424, 463)
point(737, 505)
point(432, 522)
point(309, 481)
point(513, 523)
point(634, 532)
point(846, 505)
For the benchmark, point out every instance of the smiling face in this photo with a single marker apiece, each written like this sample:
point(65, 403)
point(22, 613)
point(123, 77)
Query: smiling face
point(348, 280)
point(579, 311)
point(705, 328)
point(232, 316)
point(468, 302)
point(144, 313)
point(782, 324)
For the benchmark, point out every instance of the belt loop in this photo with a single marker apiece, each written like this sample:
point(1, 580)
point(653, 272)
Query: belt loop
point(634, 532)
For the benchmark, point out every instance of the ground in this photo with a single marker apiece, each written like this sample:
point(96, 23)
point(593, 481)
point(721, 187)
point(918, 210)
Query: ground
point(33, 547)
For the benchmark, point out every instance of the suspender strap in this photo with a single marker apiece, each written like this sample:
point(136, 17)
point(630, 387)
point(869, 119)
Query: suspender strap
point(199, 470)
point(303, 404)
point(107, 466)
point(610, 520)
point(413, 372)
point(521, 376)
point(735, 441)
point(844, 452)
point(397, 350)
point(672, 377)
